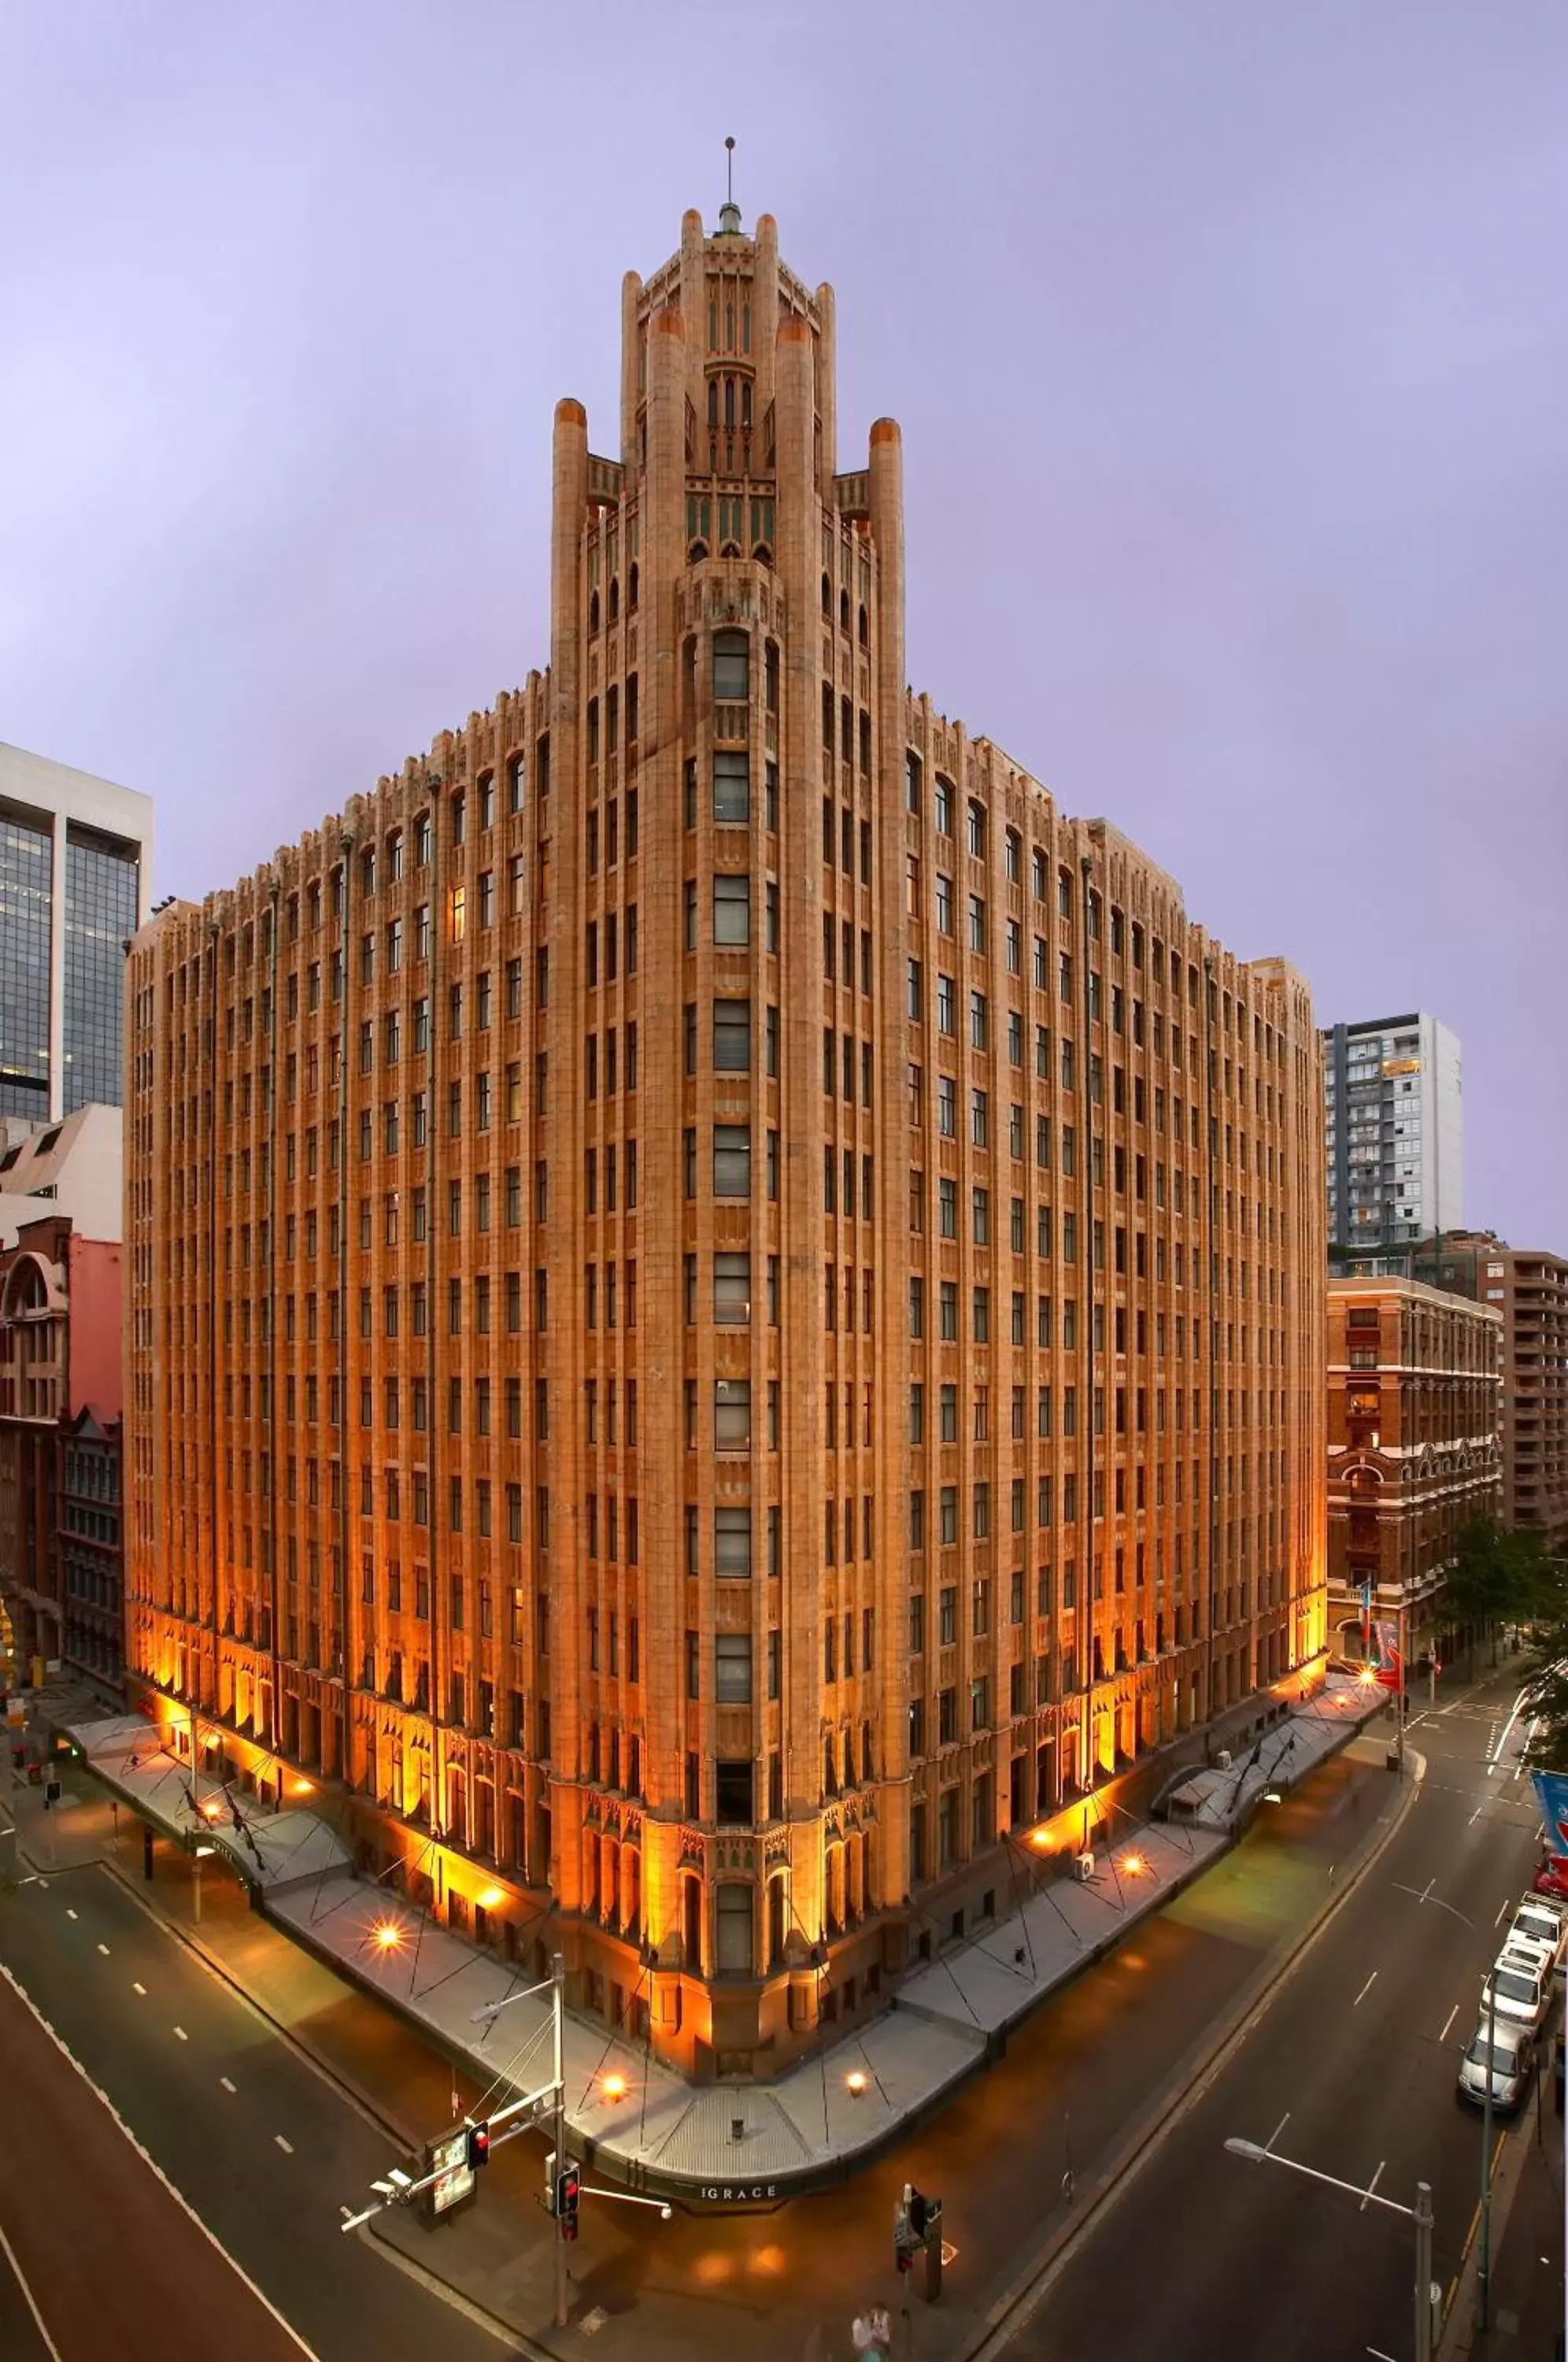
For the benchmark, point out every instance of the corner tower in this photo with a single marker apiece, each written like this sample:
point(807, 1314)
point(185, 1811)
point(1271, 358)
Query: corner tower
point(726, 714)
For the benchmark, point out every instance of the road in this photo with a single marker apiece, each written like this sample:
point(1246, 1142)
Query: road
point(1074, 2076)
point(241, 2126)
point(1352, 2071)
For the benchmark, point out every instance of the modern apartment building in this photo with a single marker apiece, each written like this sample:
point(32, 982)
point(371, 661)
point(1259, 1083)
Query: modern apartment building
point(1414, 1452)
point(725, 1306)
point(1529, 1287)
point(76, 875)
point(1394, 1134)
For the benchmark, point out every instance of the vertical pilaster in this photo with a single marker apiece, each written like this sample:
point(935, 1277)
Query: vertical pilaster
point(562, 1348)
point(661, 865)
point(890, 1847)
point(800, 1102)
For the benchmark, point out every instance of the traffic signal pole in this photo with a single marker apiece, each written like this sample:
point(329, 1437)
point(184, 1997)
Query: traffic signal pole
point(557, 2006)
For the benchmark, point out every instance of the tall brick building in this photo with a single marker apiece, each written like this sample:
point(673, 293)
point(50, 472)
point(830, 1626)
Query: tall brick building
point(726, 1305)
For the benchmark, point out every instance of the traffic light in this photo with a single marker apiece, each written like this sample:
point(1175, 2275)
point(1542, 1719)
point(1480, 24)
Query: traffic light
point(569, 2192)
point(478, 2147)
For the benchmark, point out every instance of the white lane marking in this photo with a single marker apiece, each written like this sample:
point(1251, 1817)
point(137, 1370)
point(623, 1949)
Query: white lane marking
point(32, 2301)
point(178, 2195)
point(1373, 2184)
point(230, 2087)
point(1448, 2021)
point(139, 1989)
point(287, 2147)
point(105, 1949)
point(1501, 1908)
point(1378, 2354)
point(1364, 1991)
point(69, 1913)
point(1518, 1709)
point(181, 2035)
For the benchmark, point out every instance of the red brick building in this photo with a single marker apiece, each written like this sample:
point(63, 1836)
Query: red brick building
point(725, 1304)
point(1414, 1452)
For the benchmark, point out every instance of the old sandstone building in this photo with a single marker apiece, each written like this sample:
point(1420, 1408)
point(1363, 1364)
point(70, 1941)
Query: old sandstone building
point(726, 1305)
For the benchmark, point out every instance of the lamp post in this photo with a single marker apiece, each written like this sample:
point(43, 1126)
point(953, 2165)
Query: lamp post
point(1420, 2214)
point(1483, 2267)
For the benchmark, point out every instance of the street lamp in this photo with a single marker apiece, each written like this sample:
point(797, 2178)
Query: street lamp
point(1420, 2214)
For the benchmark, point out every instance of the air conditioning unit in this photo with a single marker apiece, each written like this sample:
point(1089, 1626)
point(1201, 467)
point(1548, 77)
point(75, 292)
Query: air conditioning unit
point(1083, 1868)
point(1222, 1761)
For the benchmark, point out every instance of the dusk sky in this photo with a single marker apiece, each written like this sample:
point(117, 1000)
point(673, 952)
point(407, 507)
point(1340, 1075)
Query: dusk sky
point(1229, 343)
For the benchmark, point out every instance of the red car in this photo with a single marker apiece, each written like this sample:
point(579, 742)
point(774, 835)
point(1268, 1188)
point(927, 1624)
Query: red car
point(1552, 1878)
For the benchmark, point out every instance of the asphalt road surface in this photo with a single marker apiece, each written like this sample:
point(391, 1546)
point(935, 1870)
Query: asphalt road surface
point(78, 2206)
point(242, 2126)
point(1350, 2070)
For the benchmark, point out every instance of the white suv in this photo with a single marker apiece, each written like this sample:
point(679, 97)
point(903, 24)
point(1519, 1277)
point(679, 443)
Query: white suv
point(1521, 1988)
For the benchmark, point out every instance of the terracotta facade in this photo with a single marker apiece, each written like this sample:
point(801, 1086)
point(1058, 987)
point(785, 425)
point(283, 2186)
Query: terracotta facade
point(725, 1304)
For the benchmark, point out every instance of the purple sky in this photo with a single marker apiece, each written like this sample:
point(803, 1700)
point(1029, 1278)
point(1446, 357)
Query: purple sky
point(1229, 343)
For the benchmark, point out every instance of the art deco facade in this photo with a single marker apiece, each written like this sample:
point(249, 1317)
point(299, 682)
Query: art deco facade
point(725, 1304)
point(1415, 1388)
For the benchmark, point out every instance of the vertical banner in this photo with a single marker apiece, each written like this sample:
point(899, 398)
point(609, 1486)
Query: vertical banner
point(1386, 1645)
point(1551, 1794)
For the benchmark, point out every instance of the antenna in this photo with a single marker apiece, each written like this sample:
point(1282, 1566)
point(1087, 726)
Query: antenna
point(729, 213)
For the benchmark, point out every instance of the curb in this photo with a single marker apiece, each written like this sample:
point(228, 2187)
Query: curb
point(1012, 2309)
point(448, 2292)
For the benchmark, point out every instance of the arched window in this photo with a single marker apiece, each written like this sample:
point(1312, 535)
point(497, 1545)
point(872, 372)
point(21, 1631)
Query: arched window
point(844, 610)
point(865, 635)
point(632, 591)
point(827, 596)
point(614, 598)
point(594, 610)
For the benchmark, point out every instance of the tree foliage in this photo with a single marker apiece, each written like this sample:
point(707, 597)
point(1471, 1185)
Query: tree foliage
point(1496, 1578)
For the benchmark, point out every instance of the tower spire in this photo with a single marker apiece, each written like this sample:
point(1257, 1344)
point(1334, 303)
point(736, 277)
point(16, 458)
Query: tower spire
point(729, 216)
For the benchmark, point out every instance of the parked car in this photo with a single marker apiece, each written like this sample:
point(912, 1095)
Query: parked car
point(1552, 1878)
point(1537, 1927)
point(1512, 2058)
point(1522, 1991)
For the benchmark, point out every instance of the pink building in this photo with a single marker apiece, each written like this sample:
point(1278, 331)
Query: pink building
point(61, 1586)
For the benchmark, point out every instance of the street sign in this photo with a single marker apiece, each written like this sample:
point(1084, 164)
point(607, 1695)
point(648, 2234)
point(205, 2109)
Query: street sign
point(454, 2182)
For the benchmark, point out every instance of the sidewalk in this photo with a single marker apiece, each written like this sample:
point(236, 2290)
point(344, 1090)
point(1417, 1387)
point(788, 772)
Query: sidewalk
point(1526, 2247)
point(701, 2284)
point(635, 2121)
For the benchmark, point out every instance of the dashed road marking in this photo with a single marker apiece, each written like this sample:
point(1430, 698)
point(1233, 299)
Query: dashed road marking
point(1364, 1991)
point(181, 2035)
point(1448, 2021)
point(287, 2147)
point(69, 1913)
point(105, 1949)
point(227, 2085)
point(139, 1989)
